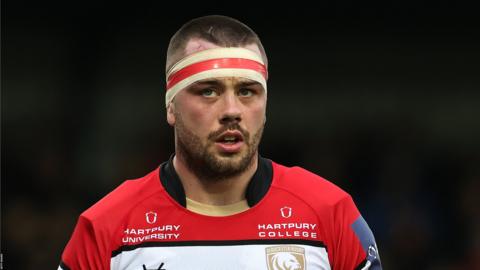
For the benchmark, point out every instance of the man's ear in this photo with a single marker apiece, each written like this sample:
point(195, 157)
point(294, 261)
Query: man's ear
point(171, 114)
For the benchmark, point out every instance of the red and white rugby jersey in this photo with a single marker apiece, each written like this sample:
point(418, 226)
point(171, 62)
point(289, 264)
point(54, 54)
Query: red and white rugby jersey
point(297, 220)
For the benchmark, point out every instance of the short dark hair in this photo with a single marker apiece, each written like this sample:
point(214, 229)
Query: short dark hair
point(220, 30)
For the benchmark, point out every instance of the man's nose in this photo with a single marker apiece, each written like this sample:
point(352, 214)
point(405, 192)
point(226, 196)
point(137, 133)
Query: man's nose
point(231, 108)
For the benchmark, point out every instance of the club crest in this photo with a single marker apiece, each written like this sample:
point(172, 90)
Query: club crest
point(285, 258)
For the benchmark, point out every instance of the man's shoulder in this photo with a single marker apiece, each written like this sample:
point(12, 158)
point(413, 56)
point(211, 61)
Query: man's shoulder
point(125, 197)
point(309, 186)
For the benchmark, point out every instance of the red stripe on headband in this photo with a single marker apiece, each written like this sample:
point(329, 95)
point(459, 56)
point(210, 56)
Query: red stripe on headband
point(193, 69)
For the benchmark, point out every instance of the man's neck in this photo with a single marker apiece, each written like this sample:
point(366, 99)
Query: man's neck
point(226, 191)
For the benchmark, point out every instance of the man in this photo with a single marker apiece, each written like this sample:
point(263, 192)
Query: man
point(217, 204)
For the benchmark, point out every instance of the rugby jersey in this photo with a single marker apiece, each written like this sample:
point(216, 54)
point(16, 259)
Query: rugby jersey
point(296, 220)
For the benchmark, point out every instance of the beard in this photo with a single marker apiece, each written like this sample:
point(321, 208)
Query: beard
point(209, 166)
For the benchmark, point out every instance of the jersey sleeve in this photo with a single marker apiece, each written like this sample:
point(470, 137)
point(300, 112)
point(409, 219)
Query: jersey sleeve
point(84, 250)
point(355, 248)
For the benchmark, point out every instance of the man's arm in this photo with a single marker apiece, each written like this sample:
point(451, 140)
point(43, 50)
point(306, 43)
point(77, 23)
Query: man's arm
point(355, 243)
point(84, 251)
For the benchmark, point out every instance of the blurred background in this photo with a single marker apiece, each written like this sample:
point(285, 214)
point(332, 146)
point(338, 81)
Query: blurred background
point(381, 99)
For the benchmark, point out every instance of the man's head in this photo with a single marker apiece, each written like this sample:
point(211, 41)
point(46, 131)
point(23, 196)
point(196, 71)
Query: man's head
point(209, 32)
point(216, 95)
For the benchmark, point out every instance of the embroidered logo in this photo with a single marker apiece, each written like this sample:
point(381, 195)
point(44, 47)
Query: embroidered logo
point(372, 253)
point(285, 258)
point(286, 211)
point(151, 217)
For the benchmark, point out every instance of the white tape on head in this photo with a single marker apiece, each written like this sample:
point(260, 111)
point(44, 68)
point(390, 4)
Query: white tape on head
point(215, 63)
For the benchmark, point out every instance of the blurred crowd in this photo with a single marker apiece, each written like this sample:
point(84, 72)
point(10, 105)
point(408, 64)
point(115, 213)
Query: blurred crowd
point(387, 114)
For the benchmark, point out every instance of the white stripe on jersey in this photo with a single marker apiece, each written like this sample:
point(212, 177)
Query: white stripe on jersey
point(240, 257)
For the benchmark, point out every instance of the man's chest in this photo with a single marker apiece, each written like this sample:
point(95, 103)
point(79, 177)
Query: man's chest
point(272, 236)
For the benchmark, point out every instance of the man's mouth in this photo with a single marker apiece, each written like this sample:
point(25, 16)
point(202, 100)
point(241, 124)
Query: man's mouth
point(230, 141)
point(230, 138)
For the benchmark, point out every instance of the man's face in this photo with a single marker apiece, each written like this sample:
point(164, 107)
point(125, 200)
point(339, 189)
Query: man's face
point(218, 121)
point(218, 125)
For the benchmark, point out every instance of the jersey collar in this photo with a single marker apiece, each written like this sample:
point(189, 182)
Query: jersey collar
point(256, 189)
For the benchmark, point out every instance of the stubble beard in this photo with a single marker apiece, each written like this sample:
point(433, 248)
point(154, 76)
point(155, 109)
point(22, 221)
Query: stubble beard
point(208, 165)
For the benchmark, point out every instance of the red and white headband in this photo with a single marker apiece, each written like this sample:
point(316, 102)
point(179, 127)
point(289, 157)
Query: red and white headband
point(218, 62)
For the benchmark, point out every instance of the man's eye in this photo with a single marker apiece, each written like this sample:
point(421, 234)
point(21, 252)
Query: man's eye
point(208, 92)
point(245, 92)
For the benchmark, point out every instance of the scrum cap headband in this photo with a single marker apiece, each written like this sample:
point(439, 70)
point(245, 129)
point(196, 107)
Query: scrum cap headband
point(218, 62)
